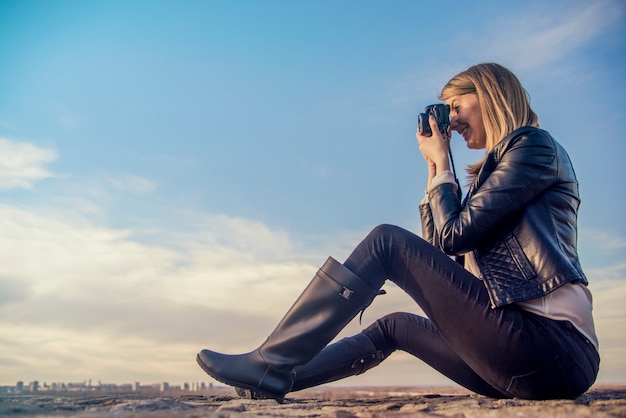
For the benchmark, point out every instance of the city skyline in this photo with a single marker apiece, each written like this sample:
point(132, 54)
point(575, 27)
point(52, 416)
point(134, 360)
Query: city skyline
point(87, 386)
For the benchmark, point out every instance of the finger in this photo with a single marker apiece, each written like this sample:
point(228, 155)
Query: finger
point(433, 124)
point(435, 128)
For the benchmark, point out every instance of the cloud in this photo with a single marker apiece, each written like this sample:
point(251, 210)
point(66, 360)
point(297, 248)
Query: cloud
point(538, 40)
point(614, 272)
point(602, 240)
point(79, 294)
point(81, 300)
point(132, 183)
point(91, 302)
point(602, 253)
point(70, 121)
point(610, 320)
point(85, 301)
point(22, 164)
point(6, 125)
point(532, 39)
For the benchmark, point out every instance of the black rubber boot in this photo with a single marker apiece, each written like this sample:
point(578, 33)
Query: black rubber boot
point(325, 307)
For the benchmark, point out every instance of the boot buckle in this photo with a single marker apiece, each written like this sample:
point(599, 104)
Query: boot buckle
point(346, 293)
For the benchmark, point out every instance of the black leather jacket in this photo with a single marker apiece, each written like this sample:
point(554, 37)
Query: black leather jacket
point(519, 218)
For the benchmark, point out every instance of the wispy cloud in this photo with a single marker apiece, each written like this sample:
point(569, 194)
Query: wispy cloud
point(67, 118)
point(22, 164)
point(6, 125)
point(610, 319)
point(613, 272)
point(538, 40)
point(602, 254)
point(70, 121)
point(530, 40)
point(132, 183)
point(602, 240)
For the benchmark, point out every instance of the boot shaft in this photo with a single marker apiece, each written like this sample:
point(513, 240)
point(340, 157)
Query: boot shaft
point(332, 299)
point(349, 356)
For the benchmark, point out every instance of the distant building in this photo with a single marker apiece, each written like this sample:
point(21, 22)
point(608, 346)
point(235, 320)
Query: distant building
point(87, 386)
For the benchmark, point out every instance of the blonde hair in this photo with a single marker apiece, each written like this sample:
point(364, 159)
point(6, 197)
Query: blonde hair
point(503, 102)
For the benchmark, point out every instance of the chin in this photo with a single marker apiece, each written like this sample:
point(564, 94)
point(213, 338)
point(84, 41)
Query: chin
point(471, 145)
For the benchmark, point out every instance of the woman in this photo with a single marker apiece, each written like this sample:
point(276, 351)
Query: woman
point(513, 321)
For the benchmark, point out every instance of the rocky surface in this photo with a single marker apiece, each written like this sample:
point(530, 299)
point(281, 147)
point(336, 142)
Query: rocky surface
point(608, 401)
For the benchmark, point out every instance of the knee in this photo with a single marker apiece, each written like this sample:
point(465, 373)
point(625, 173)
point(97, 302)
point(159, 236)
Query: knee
point(383, 331)
point(384, 231)
point(386, 237)
point(390, 322)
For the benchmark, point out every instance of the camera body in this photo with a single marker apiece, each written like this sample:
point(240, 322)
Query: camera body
point(441, 112)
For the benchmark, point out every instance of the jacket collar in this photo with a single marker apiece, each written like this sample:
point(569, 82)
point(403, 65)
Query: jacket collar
point(493, 157)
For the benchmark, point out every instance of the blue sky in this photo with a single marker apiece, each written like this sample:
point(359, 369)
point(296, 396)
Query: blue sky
point(173, 173)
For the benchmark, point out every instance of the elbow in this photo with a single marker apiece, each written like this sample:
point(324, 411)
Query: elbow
point(454, 244)
point(451, 249)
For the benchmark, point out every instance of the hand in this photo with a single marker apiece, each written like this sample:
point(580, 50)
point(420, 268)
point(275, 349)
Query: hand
point(432, 168)
point(434, 148)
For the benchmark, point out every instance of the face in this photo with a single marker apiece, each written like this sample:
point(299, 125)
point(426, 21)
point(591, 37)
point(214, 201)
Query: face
point(466, 118)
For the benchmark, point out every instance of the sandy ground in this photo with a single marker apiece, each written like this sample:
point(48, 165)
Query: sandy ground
point(363, 402)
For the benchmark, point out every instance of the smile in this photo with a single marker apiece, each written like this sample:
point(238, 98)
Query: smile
point(463, 132)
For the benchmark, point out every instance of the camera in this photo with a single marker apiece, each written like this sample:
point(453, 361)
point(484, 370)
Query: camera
point(441, 112)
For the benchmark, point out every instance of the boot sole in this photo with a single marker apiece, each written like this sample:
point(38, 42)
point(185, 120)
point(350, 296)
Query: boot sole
point(243, 390)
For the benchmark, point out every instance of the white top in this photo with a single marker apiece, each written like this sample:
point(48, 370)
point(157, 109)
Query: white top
point(570, 302)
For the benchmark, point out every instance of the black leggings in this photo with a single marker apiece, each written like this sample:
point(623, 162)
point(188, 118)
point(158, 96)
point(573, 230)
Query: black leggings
point(504, 352)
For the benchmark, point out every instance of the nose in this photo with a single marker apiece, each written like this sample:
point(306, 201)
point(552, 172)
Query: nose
point(454, 122)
